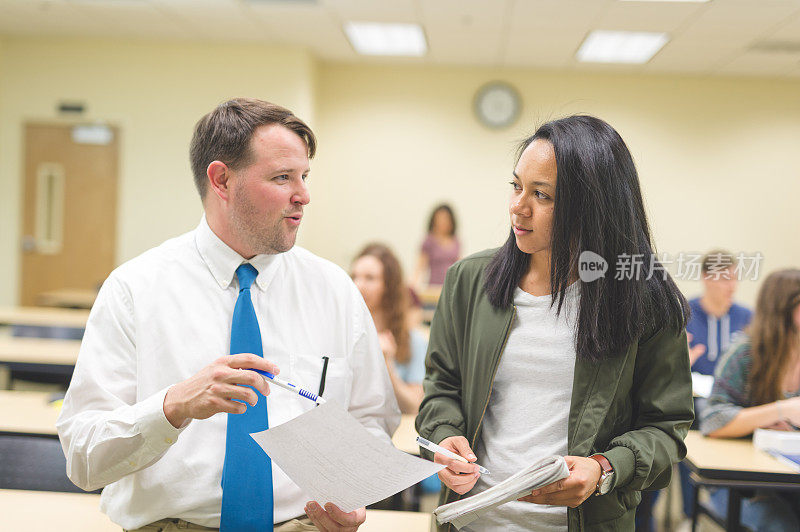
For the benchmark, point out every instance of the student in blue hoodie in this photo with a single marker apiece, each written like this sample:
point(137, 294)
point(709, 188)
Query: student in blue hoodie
point(716, 323)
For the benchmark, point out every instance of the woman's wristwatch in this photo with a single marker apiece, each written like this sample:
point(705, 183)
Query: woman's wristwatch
point(606, 477)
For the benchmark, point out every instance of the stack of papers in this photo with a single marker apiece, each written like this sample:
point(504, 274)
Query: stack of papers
point(702, 384)
point(783, 445)
point(782, 441)
point(463, 512)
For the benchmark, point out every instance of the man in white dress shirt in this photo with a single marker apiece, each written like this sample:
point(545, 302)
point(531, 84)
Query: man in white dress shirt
point(145, 415)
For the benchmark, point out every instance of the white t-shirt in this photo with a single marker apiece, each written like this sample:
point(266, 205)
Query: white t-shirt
point(528, 412)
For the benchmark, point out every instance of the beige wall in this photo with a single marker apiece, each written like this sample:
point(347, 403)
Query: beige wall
point(154, 92)
point(717, 157)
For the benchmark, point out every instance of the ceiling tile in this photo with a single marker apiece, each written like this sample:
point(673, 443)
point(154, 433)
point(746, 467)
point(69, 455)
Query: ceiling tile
point(460, 47)
point(309, 26)
point(41, 18)
point(789, 30)
point(465, 14)
point(543, 47)
point(215, 20)
point(579, 14)
point(739, 20)
point(695, 55)
point(648, 16)
point(141, 20)
point(762, 64)
point(373, 10)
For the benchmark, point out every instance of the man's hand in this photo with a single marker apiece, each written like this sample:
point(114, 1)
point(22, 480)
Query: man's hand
point(332, 519)
point(458, 476)
point(584, 474)
point(213, 388)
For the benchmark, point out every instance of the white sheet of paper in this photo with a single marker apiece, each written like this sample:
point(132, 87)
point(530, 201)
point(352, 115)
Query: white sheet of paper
point(702, 384)
point(333, 458)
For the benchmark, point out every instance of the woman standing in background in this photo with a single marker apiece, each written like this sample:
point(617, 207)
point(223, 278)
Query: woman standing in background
point(440, 249)
point(757, 385)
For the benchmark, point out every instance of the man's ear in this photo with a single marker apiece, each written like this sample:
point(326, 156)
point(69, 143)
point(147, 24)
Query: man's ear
point(218, 175)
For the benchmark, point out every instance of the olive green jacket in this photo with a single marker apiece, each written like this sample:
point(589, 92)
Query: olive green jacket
point(635, 407)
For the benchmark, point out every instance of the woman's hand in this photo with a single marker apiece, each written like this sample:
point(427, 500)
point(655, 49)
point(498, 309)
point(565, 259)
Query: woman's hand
point(458, 476)
point(779, 425)
point(584, 474)
point(388, 346)
point(789, 410)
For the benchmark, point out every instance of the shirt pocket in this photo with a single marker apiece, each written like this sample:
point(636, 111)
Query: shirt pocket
point(307, 372)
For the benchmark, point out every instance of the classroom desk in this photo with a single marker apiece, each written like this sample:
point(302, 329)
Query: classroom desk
point(50, 510)
point(405, 437)
point(30, 413)
point(78, 512)
point(68, 298)
point(39, 359)
point(737, 465)
point(392, 521)
point(430, 296)
point(44, 317)
point(39, 350)
point(27, 413)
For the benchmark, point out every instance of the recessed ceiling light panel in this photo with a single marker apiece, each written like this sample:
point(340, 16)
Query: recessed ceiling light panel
point(375, 38)
point(620, 46)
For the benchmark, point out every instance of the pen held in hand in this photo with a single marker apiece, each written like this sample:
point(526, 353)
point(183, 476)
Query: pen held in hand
point(432, 447)
point(286, 385)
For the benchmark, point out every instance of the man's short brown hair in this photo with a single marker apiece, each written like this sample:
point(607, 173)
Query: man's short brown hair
point(224, 135)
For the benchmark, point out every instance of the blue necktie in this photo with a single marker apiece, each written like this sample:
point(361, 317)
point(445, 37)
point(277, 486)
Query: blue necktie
point(247, 503)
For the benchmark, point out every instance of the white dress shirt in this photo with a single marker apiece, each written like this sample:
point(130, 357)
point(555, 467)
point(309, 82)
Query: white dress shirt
point(166, 314)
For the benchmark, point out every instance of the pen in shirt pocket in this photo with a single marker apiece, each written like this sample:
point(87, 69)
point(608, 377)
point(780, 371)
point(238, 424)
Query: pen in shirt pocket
point(322, 377)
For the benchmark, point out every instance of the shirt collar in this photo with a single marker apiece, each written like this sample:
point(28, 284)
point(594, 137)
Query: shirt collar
point(222, 261)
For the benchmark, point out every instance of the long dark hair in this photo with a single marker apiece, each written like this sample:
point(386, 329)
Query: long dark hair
point(598, 207)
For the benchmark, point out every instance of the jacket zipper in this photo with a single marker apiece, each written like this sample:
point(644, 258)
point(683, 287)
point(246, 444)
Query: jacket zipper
point(491, 385)
point(494, 373)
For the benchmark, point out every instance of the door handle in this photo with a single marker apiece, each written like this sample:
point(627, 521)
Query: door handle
point(28, 244)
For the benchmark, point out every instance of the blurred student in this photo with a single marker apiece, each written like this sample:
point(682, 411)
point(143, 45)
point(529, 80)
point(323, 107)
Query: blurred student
point(716, 320)
point(378, 275)
point(440, 250)
point(757, 385)
point(715, 324)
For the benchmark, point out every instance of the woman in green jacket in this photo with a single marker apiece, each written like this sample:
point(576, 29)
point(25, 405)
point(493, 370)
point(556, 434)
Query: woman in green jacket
point(540, 348)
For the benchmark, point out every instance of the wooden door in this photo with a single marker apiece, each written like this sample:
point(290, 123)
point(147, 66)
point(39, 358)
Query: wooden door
point(69, 210)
